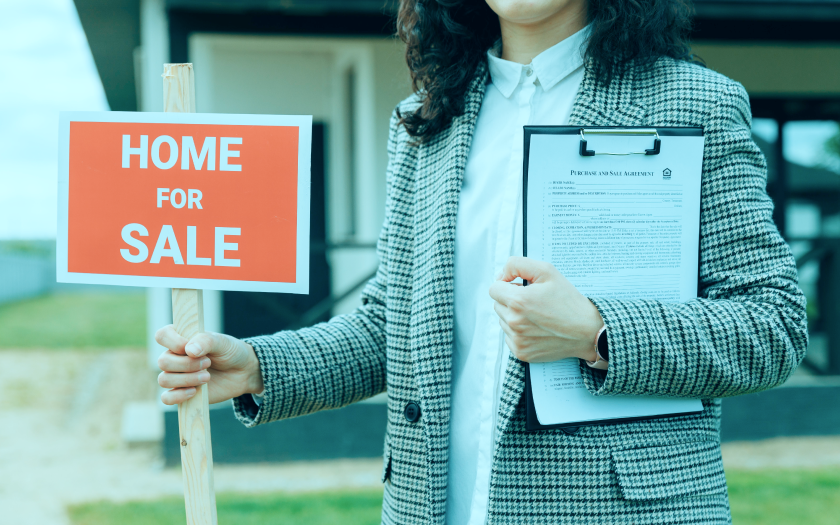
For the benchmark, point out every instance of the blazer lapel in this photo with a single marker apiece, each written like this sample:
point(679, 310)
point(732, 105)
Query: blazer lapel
point(439, 174)
point(593, 106)
point(441, 164)
point(614, 106)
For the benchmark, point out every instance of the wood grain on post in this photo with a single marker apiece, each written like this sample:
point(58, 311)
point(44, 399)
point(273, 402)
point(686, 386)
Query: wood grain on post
point(188, 319)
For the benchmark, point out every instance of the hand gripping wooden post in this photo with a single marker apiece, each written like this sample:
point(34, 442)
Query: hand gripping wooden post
point(188, 318)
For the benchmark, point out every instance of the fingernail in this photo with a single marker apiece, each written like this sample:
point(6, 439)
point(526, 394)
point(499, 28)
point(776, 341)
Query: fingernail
point(193, 349)
point(190, 392)
point(205, 362)
point(204, 376)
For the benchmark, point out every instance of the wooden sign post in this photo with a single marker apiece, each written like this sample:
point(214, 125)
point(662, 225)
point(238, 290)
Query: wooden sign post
point(191, 202)
point(188, 319)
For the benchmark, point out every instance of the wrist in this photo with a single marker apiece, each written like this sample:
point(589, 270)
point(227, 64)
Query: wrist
point(587, 351)
point(594, 325)
point(254, 382)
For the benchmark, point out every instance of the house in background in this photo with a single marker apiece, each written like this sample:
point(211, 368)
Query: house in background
point(338, 61)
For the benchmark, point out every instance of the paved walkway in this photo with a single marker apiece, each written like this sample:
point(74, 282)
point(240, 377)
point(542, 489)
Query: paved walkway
point(59, 442)
point(799, 452)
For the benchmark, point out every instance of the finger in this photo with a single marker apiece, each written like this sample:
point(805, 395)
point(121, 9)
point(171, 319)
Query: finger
point(502, 311)
point(177, 396)
point(507, 329)
point(505, 294)
point(170, 362)
point(167, 337)
point(176, 380)
point(201, 344)
point(511, 346)
point(525, 268)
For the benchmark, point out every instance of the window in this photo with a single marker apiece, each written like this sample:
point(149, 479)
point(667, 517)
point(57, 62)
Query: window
point(803, 158)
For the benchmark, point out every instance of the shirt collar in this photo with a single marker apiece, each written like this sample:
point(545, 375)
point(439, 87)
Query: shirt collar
point(550, 67)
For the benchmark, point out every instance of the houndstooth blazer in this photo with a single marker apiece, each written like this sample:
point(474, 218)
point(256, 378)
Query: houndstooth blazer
point(746, 332)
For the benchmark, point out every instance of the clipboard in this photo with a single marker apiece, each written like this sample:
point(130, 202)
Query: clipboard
point(532, 423)
point(586, 149)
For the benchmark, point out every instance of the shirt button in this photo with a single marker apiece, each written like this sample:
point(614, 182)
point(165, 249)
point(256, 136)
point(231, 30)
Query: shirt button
point(412, 412)
point(529, 71)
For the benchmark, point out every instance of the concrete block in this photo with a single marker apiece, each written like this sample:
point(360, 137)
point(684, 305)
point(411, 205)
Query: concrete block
point(142, 422)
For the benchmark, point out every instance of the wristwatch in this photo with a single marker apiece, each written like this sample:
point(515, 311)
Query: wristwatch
point(601, 350)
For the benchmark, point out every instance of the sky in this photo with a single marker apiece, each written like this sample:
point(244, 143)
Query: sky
point(46, 67)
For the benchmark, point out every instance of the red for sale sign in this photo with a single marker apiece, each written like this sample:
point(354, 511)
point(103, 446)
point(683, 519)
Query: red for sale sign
point(185, 200)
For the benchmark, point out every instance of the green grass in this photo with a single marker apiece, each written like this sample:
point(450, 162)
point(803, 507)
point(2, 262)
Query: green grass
point(767, 497)
point(329, 508)
point(782, 497)
point(79, 320)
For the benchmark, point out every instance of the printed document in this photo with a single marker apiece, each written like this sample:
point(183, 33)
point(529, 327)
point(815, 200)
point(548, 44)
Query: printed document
point(621, 227)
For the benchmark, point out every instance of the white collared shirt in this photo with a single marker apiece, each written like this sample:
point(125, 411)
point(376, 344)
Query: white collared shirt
point(488, 231)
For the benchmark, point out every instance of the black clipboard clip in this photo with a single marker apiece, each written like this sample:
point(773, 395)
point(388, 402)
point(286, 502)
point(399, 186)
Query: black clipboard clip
point(584, 152)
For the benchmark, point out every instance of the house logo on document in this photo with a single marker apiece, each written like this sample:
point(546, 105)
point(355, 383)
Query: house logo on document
point(666, 174)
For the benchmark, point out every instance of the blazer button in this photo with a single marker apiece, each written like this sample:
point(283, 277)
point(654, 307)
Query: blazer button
point(412, 412)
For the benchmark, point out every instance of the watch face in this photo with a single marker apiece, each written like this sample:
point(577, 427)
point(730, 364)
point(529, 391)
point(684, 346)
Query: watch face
point(603, 347)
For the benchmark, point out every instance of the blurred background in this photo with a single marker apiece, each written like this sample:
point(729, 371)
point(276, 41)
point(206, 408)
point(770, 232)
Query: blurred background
point(83, 438)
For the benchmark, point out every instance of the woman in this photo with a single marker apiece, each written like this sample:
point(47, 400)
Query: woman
point(456, 449)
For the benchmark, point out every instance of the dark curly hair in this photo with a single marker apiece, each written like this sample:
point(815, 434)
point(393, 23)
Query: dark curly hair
point(446, 41)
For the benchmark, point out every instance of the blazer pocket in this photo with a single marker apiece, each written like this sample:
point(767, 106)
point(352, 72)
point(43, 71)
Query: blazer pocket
point(667, 472)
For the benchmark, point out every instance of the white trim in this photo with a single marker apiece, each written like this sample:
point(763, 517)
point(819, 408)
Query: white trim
point(148, 117)
point(303, 122)
point(154, 45)
point(365, 145)
point(183, 282)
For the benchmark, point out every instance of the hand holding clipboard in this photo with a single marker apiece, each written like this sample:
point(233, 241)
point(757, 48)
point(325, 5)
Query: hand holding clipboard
point(617, 211)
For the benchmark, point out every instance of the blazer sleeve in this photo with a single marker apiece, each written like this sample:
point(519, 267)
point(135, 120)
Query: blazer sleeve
point(747, 330)
point(329, 365)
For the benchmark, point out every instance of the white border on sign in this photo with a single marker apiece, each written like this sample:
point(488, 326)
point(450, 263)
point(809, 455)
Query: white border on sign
point(302, 122)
